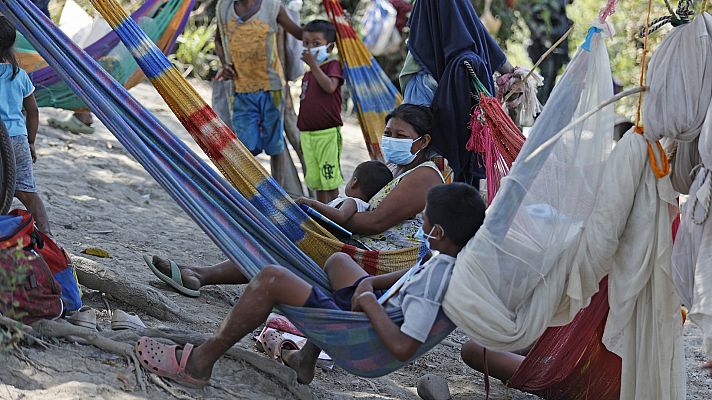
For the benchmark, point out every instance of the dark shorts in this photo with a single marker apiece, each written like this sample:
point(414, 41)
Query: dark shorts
point(339, 300)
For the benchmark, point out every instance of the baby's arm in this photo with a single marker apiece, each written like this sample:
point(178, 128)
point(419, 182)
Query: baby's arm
point(402, 346)
point(338, 215)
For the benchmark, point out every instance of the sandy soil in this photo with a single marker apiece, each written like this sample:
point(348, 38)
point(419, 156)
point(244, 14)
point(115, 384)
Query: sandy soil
point(98, 196)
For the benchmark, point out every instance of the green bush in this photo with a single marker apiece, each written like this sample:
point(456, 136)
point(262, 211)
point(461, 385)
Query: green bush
point(10, 279)
point(195, 53)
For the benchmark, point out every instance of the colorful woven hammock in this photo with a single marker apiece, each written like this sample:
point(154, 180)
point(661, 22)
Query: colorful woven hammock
point(373, 93)
point(162, 20)
point(236, 163)
point(230, 219)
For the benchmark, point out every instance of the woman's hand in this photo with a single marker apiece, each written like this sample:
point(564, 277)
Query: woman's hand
point(226, 73)
point(366, 286)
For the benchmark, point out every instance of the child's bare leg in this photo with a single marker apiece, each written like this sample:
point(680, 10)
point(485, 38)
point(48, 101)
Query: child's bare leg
point(343, 272)
point(501, 365)
point(325, 196)
point(35, 206)
point(303, 361)
point(273, 285)
point(278, 166)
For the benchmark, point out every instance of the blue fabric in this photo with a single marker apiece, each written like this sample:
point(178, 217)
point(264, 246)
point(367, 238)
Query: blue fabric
point(420, 89)
point(71, 295)
point(12, 94)
point(246, 236)
point(24, 175)
point(339, 300)
point(8, 225)
point(444, 34)
point(258, 122)
point(43, 5)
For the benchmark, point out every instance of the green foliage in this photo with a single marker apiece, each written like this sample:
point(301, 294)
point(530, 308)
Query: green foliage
point(10, 279)
point(624, 48)
point(195, 54)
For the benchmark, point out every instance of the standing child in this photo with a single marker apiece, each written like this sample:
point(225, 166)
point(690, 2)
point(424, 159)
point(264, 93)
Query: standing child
point(320, 111)
point(16, 94)
point(247, 46)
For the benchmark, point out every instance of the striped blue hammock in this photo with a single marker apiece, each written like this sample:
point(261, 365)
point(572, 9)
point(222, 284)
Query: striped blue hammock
point(235, 225)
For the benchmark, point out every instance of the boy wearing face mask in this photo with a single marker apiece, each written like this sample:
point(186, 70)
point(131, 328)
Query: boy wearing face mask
point(320, 111)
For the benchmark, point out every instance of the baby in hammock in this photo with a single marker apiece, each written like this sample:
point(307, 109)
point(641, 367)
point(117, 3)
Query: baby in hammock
point(452, 216)
point(368, 179)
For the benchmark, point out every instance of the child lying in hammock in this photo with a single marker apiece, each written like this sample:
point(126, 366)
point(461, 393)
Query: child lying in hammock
point(452, 215)
point(368, 179)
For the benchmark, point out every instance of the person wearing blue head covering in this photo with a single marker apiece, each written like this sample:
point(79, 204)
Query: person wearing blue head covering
point(443, 35)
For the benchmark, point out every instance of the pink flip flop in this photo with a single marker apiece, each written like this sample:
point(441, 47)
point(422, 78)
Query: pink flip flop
point(160, 359)
point(273, 343)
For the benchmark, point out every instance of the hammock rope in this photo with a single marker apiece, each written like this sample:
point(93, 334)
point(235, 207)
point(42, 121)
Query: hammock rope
point(373, 93)
point(230, 219)
point(492, 134)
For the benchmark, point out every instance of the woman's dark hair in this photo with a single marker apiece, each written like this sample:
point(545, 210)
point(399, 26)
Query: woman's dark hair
point(322, 26)
point(7, 41)
point(458, 208)
point(372, 177)
point(419, 117)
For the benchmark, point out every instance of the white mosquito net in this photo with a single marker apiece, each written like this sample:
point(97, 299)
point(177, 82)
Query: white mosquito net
point(565, 218)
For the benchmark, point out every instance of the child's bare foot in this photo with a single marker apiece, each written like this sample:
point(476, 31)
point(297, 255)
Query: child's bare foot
point(190, 277)
point(303, 365)
point(193, 367)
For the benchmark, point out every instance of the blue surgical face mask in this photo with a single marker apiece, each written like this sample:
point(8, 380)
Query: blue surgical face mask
point(320, 53)
point(397, 151)
point(420, 235)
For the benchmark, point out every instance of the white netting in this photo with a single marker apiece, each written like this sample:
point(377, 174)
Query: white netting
point(565, 218)
point(538, 212)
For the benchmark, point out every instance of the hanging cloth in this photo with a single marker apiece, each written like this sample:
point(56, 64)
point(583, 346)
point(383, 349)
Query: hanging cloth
point(443, 35)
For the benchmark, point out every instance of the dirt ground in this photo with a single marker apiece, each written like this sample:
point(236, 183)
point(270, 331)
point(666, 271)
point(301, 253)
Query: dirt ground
point(98, 196)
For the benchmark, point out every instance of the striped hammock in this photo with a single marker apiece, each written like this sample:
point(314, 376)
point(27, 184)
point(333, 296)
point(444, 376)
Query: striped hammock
point(373, 93)
point(237, 164)
point(228, 217)
point(162, 20)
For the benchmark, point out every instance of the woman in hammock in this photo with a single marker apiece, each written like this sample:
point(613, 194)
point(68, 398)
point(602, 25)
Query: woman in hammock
point(395, 213)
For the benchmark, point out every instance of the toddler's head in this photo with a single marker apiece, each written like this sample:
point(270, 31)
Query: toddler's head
point(368, 179)
point(319, 37)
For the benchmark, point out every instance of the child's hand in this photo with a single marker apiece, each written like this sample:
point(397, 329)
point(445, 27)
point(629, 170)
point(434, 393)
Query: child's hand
point(364, 287)
point(32, 152)
point(226, 73)
point(309, 58)
point(304, 200)
point(360, 302)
